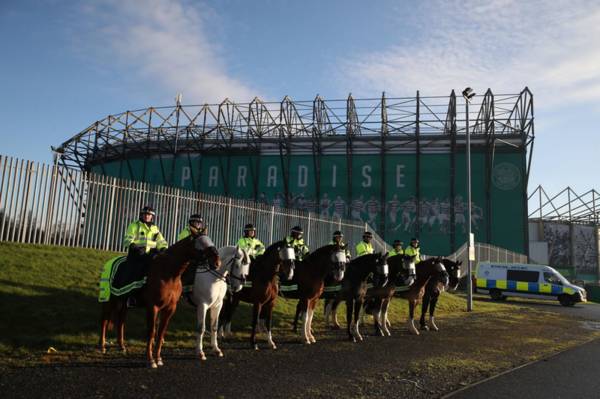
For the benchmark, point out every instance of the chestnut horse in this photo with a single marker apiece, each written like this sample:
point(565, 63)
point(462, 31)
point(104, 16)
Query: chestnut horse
point(354, 289)
point(278, 260)
point(160, 294)
point(433, 290)
point(310, 274)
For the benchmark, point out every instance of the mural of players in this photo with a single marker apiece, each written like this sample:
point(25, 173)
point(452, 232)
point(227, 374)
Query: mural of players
point(324, 205)
point(339, 208)
point(372, 206)
point(393, 206)
point(459, 213)
point(357, 207)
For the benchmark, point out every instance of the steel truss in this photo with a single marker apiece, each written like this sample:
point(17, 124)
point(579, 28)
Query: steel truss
point(376, 126)
point(567, 206)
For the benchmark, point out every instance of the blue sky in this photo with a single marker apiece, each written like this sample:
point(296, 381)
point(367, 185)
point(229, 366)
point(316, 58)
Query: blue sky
point(67, 64)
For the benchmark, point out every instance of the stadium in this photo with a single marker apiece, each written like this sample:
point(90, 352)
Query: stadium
point(397, 164)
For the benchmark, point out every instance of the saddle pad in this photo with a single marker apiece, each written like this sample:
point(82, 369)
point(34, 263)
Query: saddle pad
point(120, 277)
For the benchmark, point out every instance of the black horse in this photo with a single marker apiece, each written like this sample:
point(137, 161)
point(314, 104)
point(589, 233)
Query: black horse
point(354, 289)
point(278, 260)
point(433, 290)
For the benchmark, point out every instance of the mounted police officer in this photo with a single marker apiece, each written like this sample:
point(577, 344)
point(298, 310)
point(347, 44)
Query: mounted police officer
point(142, 240)
point(297, 242)
point(250, 243)
point(143, 237)
point(338, 239)
point(194, 221)
point(414, 250)
point(397, 249)
point(365, 247)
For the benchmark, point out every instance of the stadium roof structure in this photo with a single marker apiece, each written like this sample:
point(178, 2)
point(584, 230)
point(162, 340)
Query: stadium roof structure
point(566, 206)
point(383, 123)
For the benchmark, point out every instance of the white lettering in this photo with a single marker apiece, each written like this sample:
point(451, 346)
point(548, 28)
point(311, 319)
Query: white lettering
point(334, 176)
point(272, 176)
point(213, 176)
point(186, 174)
point(241, 178)
point(365, 172)
point(399, 176)
point(302, 176)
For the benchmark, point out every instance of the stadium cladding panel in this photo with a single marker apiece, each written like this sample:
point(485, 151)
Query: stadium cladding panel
point(396, 163)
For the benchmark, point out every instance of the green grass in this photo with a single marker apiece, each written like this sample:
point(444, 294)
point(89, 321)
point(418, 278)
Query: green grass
point(48, 298)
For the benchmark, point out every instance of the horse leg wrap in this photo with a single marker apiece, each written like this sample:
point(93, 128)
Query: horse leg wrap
point(432, 324)
point(412, 328)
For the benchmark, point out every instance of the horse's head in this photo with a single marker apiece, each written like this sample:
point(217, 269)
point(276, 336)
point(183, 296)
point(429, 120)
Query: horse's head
point(409, 268)
point(287, 259)
point(453, 269)
point(240, 269)
point(205, 249)
point(338, 262)
point(441, 274)
point(382, 270)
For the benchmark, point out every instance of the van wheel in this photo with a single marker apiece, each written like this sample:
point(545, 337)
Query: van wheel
point(566, 300)
point(497, 295)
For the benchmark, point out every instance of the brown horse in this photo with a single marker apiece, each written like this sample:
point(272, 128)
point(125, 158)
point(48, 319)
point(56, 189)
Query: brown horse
point(310, 274)
point(433, 290)
point(160, 294)
point(278, 260)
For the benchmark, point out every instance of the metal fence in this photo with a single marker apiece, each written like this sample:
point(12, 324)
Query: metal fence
point(488, 253)
point(55, 205)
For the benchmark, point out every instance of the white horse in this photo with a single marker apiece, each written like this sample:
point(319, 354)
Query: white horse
point(210, 287)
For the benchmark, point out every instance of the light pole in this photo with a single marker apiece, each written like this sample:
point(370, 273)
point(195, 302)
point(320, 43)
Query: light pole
point(468, 94)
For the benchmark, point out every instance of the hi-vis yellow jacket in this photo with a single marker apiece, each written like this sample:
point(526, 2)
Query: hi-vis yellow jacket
point(143, 235)
point(252, 245)
point(364, 248)
point(412, 251)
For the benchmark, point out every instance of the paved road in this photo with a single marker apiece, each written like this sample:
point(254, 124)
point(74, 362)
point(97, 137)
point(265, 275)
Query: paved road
point(570, 374)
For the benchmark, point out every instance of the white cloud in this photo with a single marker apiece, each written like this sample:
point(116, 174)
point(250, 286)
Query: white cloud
point(167, 44)
point(552, 47)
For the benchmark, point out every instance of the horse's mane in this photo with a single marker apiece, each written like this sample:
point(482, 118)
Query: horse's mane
point(319, 252)
point(270, 249)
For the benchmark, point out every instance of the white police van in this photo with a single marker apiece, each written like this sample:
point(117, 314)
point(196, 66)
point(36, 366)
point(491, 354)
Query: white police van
point(502, 280)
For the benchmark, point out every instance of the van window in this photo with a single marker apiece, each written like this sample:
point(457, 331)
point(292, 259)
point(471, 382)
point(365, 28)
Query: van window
point(523, 275)
point(552, 278)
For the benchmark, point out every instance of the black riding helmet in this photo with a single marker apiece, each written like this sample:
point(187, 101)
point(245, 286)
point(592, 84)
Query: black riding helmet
point(147, 210)
point(367, 234)
point(297, 232)
point(248, 228)
point(337, 233)
point(414, 242)
point(196, 219)
point(398, 242)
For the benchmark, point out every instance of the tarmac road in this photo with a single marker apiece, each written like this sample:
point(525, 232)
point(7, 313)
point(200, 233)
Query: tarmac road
point(570, 374)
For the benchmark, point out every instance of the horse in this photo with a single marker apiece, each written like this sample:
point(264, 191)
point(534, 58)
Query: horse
point(160, 294)
point(354, 289)
point(434, 288)
point(278, 260)
point(210, 287)
point(310, 274)
point(401, 273)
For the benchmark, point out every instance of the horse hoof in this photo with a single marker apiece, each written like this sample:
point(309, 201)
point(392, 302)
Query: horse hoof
point(255, 347)
point(202, 356)
point(434, 328)
point(160, 362)
point(152, 365)
point(273, 346)
point(102, 350)
point(123, 350)
point(336, 327)
point(313, 340)
point(219, 353)
point(424, 327)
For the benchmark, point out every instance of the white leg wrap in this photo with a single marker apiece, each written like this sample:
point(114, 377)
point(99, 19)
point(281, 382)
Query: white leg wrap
point(412, 328)
point(432, 324)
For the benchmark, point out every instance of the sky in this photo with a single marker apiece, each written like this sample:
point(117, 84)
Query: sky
point(66, 64)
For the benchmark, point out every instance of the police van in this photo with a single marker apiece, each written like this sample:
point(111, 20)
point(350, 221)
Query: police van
point(502, 280)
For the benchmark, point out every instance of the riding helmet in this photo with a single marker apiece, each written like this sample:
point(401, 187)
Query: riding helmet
point(338, 233)
point(147, 210)
point(249, 227)
point(397, 242)
point(367, 234)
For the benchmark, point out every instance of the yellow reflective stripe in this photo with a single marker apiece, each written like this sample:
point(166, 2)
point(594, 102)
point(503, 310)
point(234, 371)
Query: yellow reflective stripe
point(481, 283)
point(568, 290)
point(522, 286)
point(501, 284)
point(545, 288)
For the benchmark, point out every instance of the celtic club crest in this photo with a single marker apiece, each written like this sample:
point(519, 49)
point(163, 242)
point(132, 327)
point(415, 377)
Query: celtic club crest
point(506, 176)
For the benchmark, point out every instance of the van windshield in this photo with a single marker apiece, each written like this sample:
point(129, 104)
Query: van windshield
point(555, 278)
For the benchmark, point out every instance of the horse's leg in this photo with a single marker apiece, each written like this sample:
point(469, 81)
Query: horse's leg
point(255, 313)
point(412, 303)
point(269, 322)
point(311, 308)
point(349, 306)
point(305, 323)
point(384, 311)
point(434, 299)
point(121, 327)
point(357, 307)
point(151, 316)
point(165, 317)
point(424, 306)
point(327, 310)
point(104, 322)
point(201, 317)
point(296, 316)
point(334, 306)
point(214, 326)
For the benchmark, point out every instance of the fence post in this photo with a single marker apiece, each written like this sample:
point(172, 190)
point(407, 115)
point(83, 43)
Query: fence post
point(110, 214)
point(49, 213)
point(272, 223)
point(308, 230)
point(228, 222)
